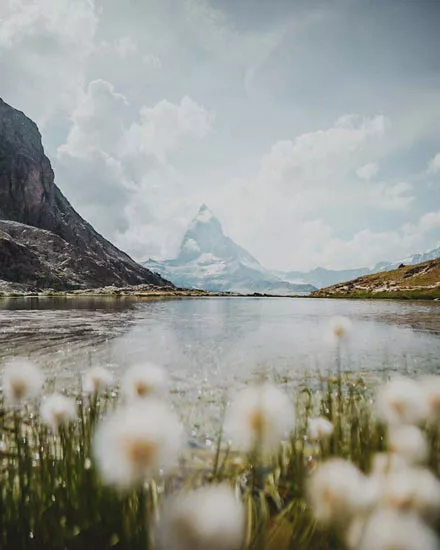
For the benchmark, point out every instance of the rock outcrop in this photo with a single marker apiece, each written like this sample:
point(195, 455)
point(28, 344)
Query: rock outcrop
point(43, 240)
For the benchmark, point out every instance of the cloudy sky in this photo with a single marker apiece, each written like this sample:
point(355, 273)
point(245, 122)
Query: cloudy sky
point(311, 129)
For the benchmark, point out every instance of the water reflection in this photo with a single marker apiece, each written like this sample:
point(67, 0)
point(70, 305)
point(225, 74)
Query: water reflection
point(219, 340)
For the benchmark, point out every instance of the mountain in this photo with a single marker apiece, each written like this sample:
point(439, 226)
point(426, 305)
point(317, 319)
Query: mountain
point(43, 241)
point(209, 260)
point(322, 278)
point(420, 281)
point(410, 260)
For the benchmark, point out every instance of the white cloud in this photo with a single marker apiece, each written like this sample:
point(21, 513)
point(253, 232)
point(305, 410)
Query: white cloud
point(319, 245)
point(97, 122)
point(368, 171)
point(161, 127)
point(101, 124)
point(392, 197)
point(428, 222)
point(135, 150)
point(298, 179)
point(434, 164)
point(313, 157)
point(125, 47)
point(44, 46)
point(118, 168)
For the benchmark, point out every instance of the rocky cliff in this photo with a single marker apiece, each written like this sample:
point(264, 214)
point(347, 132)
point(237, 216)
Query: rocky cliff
point(60, 249)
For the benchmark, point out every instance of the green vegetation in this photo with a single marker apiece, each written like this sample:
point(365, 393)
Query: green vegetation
point(51, 496)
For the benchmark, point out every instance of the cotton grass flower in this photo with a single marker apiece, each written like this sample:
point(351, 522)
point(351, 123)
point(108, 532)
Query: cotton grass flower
point(259, 418)
point(22, 380)
point(412, 489)
point(339, 328)
point(385, 463)
point(319, 429)
point(431, 388)
point(402, 401)
point(338, 490)
point(353, 534)
point(133, 443)
point(96, 380)
point(144, 380)
point(408, 442)
point(56, 410)
point(207, 518)
point(391, 530)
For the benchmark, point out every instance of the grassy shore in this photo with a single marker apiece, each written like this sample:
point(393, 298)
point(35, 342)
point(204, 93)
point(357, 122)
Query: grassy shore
point(407, 294)
point(413, 282)
point(52, 497)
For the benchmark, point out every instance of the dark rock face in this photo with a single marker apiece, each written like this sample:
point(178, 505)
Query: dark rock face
point(73, 254)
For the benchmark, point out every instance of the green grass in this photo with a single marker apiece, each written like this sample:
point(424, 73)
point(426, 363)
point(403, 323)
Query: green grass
point(51, 496)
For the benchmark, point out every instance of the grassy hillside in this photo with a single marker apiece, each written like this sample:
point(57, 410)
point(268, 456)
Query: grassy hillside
point(414, 282)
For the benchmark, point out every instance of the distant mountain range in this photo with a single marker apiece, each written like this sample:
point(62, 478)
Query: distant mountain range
point(410, 260)
point(322, 278)
point(211, 261)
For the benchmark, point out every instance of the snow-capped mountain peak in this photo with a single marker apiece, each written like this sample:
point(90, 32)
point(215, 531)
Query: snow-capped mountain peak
point(204, 216)
point(210, 260)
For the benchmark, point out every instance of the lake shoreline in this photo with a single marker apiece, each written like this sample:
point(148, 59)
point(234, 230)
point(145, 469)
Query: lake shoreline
point(159, 293)
point(427, 295)
point(16, 290)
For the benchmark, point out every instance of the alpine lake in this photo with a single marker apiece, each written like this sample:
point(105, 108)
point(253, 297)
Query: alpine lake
point(218, 342)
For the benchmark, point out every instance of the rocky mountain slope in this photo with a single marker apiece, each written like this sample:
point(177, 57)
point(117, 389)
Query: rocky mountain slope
point(421, 281)
point(211, 261)
point(43, 240)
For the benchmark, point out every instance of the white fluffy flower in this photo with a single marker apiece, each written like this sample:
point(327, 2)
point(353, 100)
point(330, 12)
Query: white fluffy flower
point(339, 328)
point(431, 387)
point(412, 489)
point(408, 442)
point(133, 443)
point(402, 401)
point(320, 428)
point(353, 533)
point(385, 463)
point(388, 529)
point(145, 380)
point(259, 418)
point(21, 380)
point(337, 491)
point(57, 409)
point(208, 518)
point(97, 380)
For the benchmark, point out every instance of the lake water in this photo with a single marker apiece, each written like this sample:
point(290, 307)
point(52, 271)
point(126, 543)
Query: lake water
point(216, 342)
